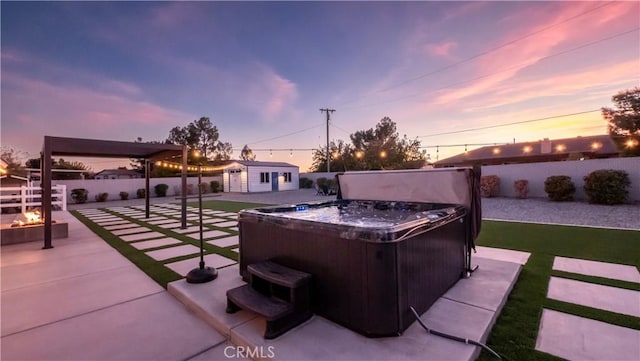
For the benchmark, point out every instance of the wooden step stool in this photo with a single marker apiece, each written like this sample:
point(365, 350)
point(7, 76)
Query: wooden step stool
point(279, 294)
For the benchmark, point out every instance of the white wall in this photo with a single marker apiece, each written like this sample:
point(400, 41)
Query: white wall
point(537, 173)
point(115, 186)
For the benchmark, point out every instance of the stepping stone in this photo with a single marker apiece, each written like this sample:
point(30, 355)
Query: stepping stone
point(178, 251)
point(234, 229)
point(210, 260)
point(236, 250)
point(207, 234)
point(172, 213)
point(150, 219)
point(186, 230)
point(192, 218)
point(111, 223)
point(225, 242)
point(155, 243)
point(593, 295)
point(121, 232)
point(598, 269)
point(104, 219)
point(170, 225)
point(577, 338)
point(214, 220)
point(214, 212)
point(500, 254)
point(141, 236)
point(229, 214)
point(227, 224)
point(121, 226)
point(163, 221)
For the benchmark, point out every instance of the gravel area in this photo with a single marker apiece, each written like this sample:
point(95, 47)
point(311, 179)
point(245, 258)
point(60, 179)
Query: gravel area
point(536, 210)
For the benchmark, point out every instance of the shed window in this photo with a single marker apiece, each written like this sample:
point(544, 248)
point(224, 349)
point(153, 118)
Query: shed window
point(287, 177)
point(264, 177)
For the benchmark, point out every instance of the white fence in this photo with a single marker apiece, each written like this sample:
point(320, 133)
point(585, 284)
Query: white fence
point(24, 197)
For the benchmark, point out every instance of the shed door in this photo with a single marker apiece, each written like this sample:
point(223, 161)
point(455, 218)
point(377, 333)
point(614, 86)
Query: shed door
point(274, 181)
point(235, 181)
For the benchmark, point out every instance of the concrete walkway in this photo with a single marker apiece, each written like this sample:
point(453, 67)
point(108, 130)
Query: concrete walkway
point(82, 300)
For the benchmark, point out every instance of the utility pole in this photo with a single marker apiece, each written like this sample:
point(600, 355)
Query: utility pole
point(328, 111)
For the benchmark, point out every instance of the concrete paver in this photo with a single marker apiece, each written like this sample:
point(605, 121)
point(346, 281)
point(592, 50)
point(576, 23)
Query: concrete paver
point(40, 304)
point(594, 295)
point(171, 252)
point(210, 260)
point(123, 225)
point(208, 234)
point(121, 332)
point(189, 229)
point(121, 232)
point(141, 236)
point(155, 243)
point(599, 269)
point(226, 224)
point(500, 254)
point(225, 242)
point(577, 338)
point(174, 224)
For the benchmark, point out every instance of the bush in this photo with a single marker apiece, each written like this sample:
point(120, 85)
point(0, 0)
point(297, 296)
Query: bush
point(489, 185)
point(521, 187)
point(205, 187)
point(559, 188)
point(124, 196)
point(79, 195)
point(606, 186)
point(102, 197)
point(304, 182)
point(141, 193)
point(322, 181)
point(161, 189)
point(215, 186)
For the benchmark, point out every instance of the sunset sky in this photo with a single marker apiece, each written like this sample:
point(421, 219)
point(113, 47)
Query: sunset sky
point(261, 71)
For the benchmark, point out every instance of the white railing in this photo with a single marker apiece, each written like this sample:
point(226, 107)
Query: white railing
point(24, 197)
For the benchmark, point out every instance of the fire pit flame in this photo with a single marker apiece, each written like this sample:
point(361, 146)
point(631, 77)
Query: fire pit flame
point(30, 218)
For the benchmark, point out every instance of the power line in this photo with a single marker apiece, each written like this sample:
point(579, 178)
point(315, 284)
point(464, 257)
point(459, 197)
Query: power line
point(501, 71)
point(507, 124)
point(476, 56)
point(285, 135)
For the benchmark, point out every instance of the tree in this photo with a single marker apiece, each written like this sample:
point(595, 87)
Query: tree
point(379, 148)
point(34, 163)
point(202, 136)
point(624, 121)
point(247, 153)
point(13, 158)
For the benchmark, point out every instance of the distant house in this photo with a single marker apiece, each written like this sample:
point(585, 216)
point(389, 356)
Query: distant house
point(546, 150)
point(120, 173)
point(254, 176)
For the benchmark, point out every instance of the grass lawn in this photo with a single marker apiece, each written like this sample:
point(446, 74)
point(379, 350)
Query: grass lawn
point(515, 332)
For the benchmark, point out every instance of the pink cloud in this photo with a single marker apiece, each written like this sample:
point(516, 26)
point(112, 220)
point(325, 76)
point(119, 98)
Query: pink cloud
point(442, 49)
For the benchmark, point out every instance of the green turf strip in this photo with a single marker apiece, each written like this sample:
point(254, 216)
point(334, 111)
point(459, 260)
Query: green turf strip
point(515, 332)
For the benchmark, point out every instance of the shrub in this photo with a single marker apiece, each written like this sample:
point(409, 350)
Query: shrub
point(190, 189)
point(205, 187)
point(521, 187)
point(559, 188)
point(215, 186)
point(79, 195)
point(102, 197)
point(304, 182)
point(124, 196)
point(489, 185)
point(322, 181)
point(161, 189)
point(141, 193)
point(606, 186)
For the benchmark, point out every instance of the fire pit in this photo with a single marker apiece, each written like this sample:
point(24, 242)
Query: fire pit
point(397, 239)
point(28, 227)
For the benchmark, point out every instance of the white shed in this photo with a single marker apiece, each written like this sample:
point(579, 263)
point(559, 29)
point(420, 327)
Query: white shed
point(253, 176)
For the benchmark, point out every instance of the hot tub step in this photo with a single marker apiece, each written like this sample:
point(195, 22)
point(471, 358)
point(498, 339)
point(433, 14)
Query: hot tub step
point(246, 298)
point(279, 275)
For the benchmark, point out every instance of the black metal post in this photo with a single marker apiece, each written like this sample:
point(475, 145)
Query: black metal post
point(201, 274)
point(147, 175)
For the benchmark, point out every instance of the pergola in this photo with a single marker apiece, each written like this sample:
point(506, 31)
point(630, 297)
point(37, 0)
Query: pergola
point(78, 147)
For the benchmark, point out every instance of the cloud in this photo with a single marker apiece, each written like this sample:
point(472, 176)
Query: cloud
point(441, 49)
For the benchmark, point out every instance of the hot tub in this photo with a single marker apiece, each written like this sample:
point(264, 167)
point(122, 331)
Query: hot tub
point(370, 259)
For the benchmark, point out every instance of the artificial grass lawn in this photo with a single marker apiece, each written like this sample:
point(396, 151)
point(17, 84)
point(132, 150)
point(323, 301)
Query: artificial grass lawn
point(156, 269)
point(515, 332)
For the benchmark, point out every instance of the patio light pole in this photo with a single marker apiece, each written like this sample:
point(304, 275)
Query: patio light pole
point(201, 274)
